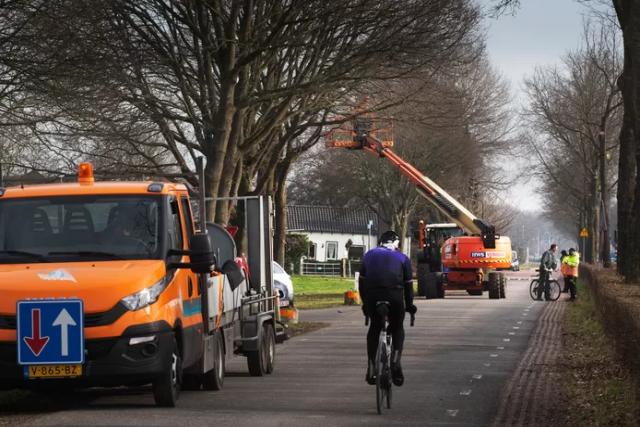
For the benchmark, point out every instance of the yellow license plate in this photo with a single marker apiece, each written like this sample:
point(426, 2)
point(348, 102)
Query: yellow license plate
point(54, 371)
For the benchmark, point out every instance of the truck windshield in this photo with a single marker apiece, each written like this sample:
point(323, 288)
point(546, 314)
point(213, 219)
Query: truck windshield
point(80, 228)
point(437, 236)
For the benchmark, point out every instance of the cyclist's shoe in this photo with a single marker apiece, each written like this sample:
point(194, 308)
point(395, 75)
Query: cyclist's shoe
point(396, 369)
point(370, 378)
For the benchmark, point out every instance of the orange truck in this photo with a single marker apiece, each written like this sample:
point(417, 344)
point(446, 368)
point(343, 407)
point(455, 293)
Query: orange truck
point(111, 284)
point(472, 258)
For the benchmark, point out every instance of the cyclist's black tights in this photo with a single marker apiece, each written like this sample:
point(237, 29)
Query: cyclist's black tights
point(396, 317)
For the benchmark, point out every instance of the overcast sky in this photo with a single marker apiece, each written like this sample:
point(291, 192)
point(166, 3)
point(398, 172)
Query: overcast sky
point(538, 34)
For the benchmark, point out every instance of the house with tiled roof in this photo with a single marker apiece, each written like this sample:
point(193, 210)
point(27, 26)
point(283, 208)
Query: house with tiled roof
point(335, 233)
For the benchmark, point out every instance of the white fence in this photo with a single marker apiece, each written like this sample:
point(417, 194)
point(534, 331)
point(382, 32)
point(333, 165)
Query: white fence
point(342, 268)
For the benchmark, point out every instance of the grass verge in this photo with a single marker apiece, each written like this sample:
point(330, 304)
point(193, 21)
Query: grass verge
point(320, 292)
point(598, 388)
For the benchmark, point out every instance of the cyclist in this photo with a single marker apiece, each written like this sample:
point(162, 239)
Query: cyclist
point(386, 275)
point(548, 263)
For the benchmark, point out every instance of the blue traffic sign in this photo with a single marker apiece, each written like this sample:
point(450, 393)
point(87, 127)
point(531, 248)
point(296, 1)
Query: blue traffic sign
point(50, 332)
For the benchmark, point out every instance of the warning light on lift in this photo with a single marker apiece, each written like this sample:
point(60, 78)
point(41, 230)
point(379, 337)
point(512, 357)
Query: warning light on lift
point(85, 173)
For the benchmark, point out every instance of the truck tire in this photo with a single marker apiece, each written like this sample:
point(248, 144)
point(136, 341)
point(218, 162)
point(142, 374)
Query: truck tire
point(258, 361)
point(422, 273)
point(431, 286)
point(439, 286)
point(503, 285)
point(214, 379)
point(494, 285)
point(270, 345)
point(166, 387)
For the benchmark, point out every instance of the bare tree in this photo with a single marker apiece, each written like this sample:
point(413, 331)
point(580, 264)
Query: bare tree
point(576, 113)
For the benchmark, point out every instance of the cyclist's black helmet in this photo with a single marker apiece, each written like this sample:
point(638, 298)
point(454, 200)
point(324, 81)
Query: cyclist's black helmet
point(572, 250)
point(389, 236)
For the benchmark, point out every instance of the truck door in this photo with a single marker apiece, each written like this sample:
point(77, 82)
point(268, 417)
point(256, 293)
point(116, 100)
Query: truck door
point(191, 292)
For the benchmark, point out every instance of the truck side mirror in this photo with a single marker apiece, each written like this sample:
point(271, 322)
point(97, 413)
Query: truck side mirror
point(203, 259)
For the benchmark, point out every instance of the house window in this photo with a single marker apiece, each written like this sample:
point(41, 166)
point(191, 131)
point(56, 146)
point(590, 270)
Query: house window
point(312, 251)
point(332, 250)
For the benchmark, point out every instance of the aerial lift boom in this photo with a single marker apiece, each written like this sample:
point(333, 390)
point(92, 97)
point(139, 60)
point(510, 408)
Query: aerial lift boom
point(468, 259)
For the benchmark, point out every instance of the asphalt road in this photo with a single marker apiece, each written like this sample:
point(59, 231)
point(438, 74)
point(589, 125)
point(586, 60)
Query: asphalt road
point(457, 358)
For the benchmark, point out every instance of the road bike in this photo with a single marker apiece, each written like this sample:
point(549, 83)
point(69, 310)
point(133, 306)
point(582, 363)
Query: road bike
point(384, 382)
point(554, 289)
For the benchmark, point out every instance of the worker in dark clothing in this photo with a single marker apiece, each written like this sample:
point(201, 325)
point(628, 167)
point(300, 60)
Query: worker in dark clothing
point(548, 263)
point(386, 275)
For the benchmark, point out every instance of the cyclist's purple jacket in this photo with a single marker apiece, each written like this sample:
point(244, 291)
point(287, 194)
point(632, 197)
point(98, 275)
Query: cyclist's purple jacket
point(385, 268)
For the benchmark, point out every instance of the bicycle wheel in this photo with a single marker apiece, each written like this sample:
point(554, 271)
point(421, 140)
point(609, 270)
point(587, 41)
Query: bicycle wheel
point(554, 290)
point(533, 289)
point(389, 382)
point(381, 390)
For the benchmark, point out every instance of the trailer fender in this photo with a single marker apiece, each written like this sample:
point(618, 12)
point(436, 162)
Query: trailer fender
point(253, 330)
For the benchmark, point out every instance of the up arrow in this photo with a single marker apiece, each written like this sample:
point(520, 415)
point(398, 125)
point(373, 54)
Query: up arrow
point(64, 320)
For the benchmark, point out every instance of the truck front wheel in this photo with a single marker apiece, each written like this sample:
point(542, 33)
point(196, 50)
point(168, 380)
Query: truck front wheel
point(214, 379)
point(494, 285)
point(166, 387)
point(503, 285)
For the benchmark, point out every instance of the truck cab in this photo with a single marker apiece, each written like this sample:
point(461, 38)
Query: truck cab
point(109, 284)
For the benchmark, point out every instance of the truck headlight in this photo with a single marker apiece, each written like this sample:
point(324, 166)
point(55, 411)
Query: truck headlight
point(146, 296)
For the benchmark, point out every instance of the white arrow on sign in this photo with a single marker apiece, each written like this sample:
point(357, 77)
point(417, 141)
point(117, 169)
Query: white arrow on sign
point(64, 320)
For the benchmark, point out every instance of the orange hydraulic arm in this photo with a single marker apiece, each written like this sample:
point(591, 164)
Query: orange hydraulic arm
point(446, 204)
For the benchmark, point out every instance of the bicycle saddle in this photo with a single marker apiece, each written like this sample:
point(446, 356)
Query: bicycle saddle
point(382, 307)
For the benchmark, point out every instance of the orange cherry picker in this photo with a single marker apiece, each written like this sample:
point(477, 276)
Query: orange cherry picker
point(472, 262)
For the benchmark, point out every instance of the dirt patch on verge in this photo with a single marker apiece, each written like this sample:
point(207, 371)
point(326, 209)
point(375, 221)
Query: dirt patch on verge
point(295, 329)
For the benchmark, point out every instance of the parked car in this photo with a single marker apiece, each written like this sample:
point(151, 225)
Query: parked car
point(515, 263)
point(283, 284)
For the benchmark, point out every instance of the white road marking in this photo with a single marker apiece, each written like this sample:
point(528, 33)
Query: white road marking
point(519, 322)
point(452, 412)
point(487, 364)
point(493, 355)
point(466, 392)
point(516, 327)
point(506, 339)
point(477, 376)
point(512, 333)
point(500, 348)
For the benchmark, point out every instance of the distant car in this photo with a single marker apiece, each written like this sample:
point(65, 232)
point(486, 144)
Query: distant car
point(283, 284)
point(515, 263)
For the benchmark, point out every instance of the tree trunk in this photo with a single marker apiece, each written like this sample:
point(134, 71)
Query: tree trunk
point(626, 188)
point(222, 125)
point(280, 232)
point(604, 197)
point(628, 12)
